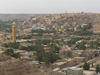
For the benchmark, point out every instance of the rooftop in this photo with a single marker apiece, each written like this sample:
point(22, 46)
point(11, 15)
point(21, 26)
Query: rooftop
point(13, 23)
point(74, 68)
point(79, 57)
point(59, 63)
point(89, 72)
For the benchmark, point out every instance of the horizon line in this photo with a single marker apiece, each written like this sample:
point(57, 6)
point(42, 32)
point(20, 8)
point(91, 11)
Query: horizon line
point(50, 13)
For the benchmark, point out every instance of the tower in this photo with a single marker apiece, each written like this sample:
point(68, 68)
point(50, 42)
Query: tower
point(13, 32)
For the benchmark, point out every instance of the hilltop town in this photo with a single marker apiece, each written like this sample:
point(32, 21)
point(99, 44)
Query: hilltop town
point(50, 44)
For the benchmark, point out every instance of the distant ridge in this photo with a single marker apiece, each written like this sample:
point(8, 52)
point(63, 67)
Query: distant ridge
point(25, 15)
point(17, 16)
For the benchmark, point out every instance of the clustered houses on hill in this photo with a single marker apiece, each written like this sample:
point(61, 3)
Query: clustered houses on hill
point(60, 22)
point(77, 58)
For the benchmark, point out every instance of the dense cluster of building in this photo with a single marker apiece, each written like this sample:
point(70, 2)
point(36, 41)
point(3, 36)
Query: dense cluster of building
point(71, 57)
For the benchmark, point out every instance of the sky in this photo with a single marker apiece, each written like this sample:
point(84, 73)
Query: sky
point(48, 6)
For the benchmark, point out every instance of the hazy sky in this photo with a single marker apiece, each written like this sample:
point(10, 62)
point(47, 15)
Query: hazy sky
point(49, 6)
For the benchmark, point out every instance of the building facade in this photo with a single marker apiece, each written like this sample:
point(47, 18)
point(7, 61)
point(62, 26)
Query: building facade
point(13, 32)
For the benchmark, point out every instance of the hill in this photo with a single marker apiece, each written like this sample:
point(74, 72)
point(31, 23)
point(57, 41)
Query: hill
point(16, 16)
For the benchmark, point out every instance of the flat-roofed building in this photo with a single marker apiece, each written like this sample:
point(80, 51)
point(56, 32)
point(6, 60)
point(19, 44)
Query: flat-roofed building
point(89, 72)
point(59, 65)
point(74, 71)
point(79, 59)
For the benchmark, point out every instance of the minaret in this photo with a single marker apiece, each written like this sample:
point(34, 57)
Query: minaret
point(13, 32)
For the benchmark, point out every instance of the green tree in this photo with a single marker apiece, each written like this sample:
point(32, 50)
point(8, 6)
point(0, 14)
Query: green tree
point(5, 45)
point(22, 47)
point(16, 55)
point(50, 57)
point(54, 47)
point(92, 64)
point(97, 68)
point(40, 53)
point(12, 45)
point(81, 46)
point(10, 52)
point(86, 66)
point(91, 46)
point(46, 57)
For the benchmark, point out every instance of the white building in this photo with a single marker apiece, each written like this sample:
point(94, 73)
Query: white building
point(74, 71)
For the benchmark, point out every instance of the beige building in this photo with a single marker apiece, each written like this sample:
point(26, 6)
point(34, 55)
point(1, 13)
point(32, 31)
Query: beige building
point(79, 59)
point(89, 72)
point(59, 65)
